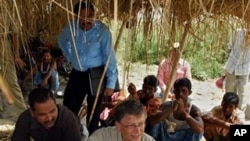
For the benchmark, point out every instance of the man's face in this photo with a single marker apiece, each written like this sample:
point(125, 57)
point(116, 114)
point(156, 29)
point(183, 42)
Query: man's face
point(87, 18)
point(45, 113)
point(182, 92)
point(131, 127)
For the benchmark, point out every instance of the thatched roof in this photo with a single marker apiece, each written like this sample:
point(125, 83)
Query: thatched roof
point(48, 17)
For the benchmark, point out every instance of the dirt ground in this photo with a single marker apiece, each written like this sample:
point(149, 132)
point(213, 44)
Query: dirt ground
point(205, 93)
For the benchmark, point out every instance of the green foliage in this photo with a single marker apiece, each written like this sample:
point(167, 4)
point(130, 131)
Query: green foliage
point(205, 48)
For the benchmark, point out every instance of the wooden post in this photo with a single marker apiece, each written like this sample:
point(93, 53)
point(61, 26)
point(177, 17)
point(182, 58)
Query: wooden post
point(175, 63)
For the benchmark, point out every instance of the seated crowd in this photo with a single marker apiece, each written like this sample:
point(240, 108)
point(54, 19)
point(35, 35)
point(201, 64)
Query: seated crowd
point(141, 116)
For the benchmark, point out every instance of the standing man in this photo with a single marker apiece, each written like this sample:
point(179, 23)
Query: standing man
point(9, 49)
point(87, 44)
point(238, 67)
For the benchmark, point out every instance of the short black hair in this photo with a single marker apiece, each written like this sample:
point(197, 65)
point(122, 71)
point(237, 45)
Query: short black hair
point(56, 52)
point(39, 95)
point(83, 5)
point(230, 98)
point(183, 82)
point(129, 107)
point(150, 80)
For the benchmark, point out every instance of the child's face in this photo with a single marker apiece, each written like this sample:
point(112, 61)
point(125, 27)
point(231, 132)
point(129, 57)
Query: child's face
point(149, 91)
point(46, 57)
point(228, 108)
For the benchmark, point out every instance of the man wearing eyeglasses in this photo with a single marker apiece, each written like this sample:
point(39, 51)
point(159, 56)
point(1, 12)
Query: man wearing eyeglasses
point(130, 117)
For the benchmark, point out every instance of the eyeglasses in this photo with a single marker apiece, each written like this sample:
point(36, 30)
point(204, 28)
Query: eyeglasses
point(132, 126)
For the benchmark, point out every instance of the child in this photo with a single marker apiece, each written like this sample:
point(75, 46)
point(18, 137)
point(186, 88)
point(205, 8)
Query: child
point(218, 120)
point(45, 71)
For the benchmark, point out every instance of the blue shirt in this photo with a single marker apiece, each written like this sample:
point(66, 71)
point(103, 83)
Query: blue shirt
point(89, 49)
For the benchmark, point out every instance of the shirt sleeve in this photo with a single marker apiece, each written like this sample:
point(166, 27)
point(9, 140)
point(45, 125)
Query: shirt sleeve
point(109, 58)
point(64, 42)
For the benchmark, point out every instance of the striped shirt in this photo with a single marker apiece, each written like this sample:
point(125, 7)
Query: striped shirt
point(238, 62)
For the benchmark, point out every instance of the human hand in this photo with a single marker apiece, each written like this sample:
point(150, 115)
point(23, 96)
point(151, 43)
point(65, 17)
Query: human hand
point(43, 83)
point(108, 92)
point(181, 106)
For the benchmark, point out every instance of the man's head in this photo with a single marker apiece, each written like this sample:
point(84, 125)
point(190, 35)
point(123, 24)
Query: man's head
point(43, 107)
point(182, 88)
point(130, 116)
point(86, 14)
point(229, 103)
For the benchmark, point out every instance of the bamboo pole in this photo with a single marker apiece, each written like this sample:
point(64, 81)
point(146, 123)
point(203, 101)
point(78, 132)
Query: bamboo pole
point(7, 93)
point(178, 56)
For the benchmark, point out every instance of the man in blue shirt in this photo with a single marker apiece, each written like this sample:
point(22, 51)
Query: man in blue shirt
point(87, 44)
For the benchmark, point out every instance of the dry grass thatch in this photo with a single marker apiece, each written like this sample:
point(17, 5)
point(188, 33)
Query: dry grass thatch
point(47, 17)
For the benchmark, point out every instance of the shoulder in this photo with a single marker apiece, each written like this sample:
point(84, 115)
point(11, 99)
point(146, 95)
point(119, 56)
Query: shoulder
point(25, 115)
point(25, 120)
point(240, 115)
point(184, 62)
point(64, 110)
point(147, 137)
point(99, 25)
point(65, 115)
point(195, 110)
point(165, 61)
point(103, 134)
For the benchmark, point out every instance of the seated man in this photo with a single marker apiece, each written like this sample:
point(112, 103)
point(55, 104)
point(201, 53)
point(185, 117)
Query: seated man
point(130, 117)
point(217, 122)
point(47, 121)
point(183, 119)
point(165, 69)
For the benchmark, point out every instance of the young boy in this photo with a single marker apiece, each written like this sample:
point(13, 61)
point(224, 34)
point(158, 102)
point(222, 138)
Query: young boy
point(218, 120)
point(45, 71)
